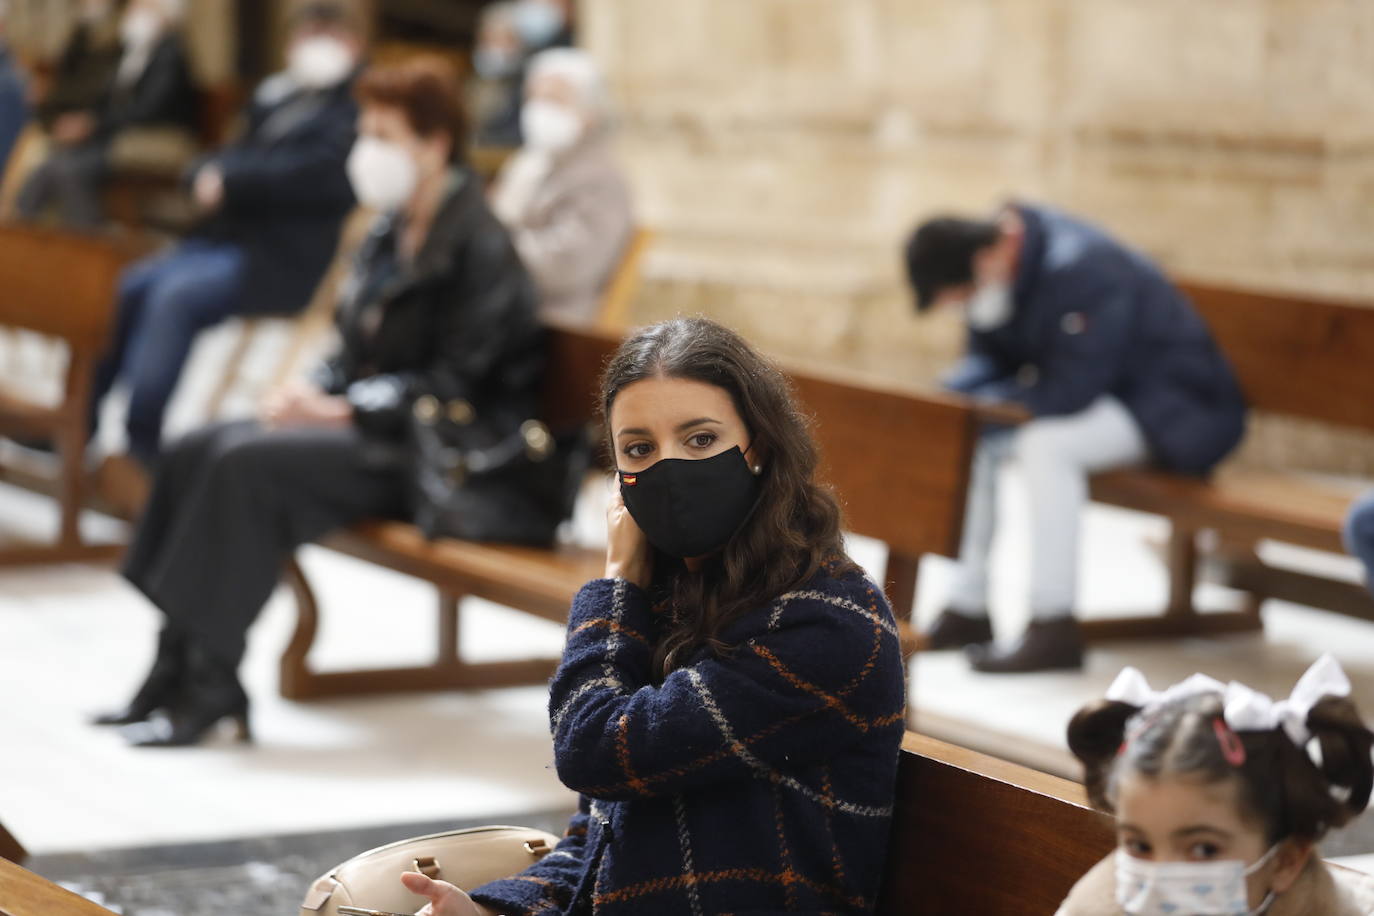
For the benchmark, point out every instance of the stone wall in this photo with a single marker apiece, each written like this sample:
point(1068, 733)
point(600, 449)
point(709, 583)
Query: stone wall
point(781, 149)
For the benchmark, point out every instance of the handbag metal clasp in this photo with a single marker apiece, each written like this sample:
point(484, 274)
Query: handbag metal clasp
point(427, 866)
point(538, 440)
point(537, 846)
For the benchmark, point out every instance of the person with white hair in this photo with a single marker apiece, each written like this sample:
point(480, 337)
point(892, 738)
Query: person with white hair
point(563, 195)
point(151, 89)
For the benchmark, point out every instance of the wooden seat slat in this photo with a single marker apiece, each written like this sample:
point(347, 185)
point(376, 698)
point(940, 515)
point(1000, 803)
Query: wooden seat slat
point(1280, 505)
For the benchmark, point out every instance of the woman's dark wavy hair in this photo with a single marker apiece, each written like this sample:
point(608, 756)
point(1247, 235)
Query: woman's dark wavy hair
point(794, 528)
point(1281, 788)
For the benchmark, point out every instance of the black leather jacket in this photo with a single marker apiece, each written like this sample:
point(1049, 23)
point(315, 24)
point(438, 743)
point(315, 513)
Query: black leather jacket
point(458, 322)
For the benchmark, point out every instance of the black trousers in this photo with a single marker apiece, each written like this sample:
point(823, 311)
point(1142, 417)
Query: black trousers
point(71, 177)
point(229, 504)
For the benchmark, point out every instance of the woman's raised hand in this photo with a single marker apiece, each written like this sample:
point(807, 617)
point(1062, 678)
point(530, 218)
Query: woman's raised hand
point(444, 898)
point(627, 549)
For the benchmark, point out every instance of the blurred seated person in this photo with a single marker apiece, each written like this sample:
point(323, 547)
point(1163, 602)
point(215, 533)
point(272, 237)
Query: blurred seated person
point(498, 63)
point(151, 95)
point(273, 204)
point(14, 106)
point(438, 305)
point(544, 24)
point(1115, 368)
point(86, 67)
point(1359, 534)
point(563, 195)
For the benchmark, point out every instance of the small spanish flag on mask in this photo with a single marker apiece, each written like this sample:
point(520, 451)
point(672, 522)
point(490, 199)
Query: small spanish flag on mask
point(629, 479)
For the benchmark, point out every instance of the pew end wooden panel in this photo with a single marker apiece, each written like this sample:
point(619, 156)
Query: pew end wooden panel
point(974, 834)
point(60, 285)
point(910, 496)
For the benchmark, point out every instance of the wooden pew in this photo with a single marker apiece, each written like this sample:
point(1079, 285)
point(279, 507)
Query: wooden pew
point(1298, 357)
point(61, 285)
point(974, 834)
point(914, 502)
point(22, 893)
point(10, 848)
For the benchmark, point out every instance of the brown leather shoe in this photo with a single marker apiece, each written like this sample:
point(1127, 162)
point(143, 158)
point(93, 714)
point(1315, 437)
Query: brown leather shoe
point(953, 630)
point(1045, 646)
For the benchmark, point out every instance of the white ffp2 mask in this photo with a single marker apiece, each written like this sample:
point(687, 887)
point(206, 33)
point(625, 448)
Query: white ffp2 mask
point(990, 306)
point(549, 126)
point(319, 62)
point(1145, 888)
point(382, 173)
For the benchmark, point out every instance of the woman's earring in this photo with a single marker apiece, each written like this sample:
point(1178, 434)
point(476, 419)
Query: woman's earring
point(757, 469)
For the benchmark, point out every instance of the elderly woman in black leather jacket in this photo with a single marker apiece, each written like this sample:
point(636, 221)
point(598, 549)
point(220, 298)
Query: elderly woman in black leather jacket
point(438, 304)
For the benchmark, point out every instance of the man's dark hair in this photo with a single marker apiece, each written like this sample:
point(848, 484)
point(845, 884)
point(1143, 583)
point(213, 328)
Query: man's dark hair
point(940, 253)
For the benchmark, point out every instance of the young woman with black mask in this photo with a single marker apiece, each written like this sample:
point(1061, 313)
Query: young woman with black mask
point(731, 699)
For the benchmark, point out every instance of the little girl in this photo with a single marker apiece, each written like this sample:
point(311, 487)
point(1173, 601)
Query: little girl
point(1220, 796)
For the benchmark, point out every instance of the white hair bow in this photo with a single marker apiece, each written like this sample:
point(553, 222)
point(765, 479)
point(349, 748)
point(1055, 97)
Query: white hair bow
point(1244, 709)
point(1249, 710)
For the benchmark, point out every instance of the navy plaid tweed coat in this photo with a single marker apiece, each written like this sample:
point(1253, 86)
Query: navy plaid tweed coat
point(753, 783)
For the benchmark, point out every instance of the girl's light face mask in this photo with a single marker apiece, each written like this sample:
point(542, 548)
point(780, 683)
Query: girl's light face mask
point(1217, 888)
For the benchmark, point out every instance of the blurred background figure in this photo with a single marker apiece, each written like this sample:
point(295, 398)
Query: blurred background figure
point(564, 196)
point(14, 107)
point(498, 63)
point(544, 24)
point(86, 66)
point(273, 202)
point(1115, 368)
point(1359, 535)
point(146, 111)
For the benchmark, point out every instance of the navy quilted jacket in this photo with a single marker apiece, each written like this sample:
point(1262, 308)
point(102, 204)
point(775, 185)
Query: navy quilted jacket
point(759, 782)
point(1093, 317)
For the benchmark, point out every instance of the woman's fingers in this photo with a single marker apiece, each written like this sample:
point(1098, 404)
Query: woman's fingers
point(444, 899)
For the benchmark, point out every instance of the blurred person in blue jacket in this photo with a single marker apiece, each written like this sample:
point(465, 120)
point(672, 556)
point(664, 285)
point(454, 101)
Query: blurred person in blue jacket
point(14, 107)
point(272, 202)
point(1359, 534)
point(1114, 367)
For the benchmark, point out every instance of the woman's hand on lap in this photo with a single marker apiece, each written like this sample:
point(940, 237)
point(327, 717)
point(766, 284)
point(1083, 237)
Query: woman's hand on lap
point(444, 898)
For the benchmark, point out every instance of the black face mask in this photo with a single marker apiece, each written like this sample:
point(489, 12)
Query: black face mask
point(689, 508)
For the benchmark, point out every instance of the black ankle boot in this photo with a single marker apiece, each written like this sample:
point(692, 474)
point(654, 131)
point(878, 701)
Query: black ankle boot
point(953, 630)
point(159, 688)
point(210, 693)
point(1047, 645)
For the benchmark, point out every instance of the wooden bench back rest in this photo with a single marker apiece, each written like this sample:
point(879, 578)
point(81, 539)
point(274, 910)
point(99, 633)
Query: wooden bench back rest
point(619, 294)
point(974, 834)
point(60, 284)
point(1295, 355)
point(898, 459)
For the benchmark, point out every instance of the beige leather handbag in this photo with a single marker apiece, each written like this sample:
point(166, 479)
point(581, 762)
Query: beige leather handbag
point(465, 858)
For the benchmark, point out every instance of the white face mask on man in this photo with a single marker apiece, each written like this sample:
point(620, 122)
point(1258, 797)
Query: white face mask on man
point(989, 307)
point(383, 173)
point(1145, 888)
point(549, 126)
point(319, 62)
